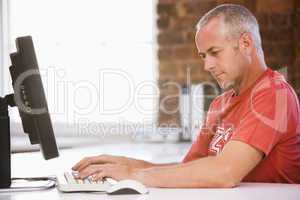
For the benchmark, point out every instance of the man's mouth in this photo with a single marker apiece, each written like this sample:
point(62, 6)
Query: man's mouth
point(218, 75)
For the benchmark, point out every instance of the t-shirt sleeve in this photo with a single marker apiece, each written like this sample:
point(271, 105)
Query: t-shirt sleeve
point(265, 121)
point(199, 148)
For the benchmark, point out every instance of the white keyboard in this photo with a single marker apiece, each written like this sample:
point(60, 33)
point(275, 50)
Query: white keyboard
point(68, 183)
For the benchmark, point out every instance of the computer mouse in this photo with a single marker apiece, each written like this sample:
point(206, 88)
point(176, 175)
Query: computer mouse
point(127, 187)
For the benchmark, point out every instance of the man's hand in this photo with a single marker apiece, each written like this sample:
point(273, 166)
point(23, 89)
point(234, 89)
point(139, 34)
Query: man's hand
point(100, 171)
point(117, 167)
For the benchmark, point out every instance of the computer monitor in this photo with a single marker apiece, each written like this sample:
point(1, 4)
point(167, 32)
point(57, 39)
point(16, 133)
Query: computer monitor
point(29, 97)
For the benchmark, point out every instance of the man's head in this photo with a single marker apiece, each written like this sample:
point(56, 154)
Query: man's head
point(229, 43)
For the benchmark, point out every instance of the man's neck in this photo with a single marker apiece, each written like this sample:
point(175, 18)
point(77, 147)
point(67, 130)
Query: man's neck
point(253, 73)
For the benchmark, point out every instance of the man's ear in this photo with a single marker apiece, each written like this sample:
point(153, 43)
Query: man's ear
point(246, 43)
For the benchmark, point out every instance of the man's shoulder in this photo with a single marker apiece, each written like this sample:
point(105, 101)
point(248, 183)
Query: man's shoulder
point(272, 84)
point(274, 92)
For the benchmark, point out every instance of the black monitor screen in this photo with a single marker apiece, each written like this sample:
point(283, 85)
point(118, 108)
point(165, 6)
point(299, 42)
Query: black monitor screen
point(30, 97)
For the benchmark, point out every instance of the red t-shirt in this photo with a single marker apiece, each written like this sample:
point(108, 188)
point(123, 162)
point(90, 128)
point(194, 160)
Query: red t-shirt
point(265, 116)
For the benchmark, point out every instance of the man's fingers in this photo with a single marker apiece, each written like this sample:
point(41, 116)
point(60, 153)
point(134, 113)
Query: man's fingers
point(88, 171)
point(107, 171)
point(99, 176)
point(85, 162)
point(81, 163)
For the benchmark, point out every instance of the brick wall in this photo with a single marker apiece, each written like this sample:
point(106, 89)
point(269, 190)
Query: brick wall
point(295, 77)
point(280, 29)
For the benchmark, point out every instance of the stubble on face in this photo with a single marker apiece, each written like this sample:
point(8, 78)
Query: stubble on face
point(227, 85)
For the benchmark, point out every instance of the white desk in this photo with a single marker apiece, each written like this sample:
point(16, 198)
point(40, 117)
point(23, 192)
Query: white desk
point(32, 164)
point(249, 191)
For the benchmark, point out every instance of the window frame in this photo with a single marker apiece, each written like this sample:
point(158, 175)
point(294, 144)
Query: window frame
point(4, 33)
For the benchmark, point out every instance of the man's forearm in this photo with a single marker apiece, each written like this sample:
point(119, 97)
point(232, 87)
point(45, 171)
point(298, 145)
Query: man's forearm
point(142, 164)
point(205, 172)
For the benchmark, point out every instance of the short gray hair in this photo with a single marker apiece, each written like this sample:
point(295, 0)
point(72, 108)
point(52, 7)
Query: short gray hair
point(237, 20)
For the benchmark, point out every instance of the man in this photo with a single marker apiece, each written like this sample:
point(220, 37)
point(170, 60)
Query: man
point(252, 130)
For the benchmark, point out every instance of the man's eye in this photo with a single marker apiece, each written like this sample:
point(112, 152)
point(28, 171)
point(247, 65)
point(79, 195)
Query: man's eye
point(202, 56)
point(214, 53)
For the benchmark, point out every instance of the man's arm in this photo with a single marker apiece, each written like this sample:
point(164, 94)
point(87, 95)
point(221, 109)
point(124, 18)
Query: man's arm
point(142, 164)
point(110, 159)
point(224, 170)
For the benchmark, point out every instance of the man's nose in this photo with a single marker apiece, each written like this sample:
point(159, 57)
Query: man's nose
point(209, 64)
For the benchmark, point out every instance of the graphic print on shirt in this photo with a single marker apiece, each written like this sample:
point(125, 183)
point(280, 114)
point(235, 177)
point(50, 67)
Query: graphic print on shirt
point(220, 139)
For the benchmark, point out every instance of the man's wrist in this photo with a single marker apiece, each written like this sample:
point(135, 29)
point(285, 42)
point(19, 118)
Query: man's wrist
point(140, 175)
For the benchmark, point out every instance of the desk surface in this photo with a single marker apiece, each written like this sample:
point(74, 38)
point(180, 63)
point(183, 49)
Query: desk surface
point(32, 164)
point(245, 191)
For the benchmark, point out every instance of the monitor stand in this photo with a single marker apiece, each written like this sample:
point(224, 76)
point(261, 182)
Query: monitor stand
point(6, 182)
point(5, 168)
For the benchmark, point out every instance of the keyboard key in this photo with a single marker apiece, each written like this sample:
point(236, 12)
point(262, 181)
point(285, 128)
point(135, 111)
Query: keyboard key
point(68, 182)
point(70, 179)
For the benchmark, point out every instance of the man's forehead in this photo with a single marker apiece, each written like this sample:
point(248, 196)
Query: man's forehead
point(212, 35)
